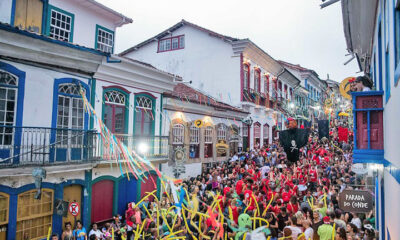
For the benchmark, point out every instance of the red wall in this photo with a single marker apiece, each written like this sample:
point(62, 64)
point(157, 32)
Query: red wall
point(102, 200)
point(148, 186)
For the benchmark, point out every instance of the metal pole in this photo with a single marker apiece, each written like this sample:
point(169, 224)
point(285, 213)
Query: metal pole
point(325, 4)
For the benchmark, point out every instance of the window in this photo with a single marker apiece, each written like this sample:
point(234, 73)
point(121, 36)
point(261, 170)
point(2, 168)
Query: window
point(172, 43)
point(144, 116)
point(178, 134)
point(245, 130)
point(4, 203)
point(114, 116)
point(194, 142)
point(34, 216)
point(257, 81)
point(221, 132)
point(266, 131)
point(208, 142)
point(70, 114)
point(28, 15)
point(8, 98)
point(104, 39)
point(194, 135)
point(246, 77)
point(266, 85)
point(257, 135)
point(61, 24)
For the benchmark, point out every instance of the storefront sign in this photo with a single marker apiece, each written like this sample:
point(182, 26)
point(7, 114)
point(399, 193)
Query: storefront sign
point(198, 123)
point(355, 201)
point(359, 168)
point(73, 208)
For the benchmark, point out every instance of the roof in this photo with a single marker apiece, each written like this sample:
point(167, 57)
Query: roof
point(175, 27)
point(98, 7)
point(185, 93)
point(9, 28)
point(148, 65)
point(297, 67)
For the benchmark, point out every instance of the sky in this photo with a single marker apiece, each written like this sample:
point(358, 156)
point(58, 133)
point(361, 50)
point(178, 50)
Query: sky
point(296, 31)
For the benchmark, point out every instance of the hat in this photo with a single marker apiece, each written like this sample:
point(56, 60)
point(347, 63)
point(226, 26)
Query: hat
point(326, 219)
point(368, 226)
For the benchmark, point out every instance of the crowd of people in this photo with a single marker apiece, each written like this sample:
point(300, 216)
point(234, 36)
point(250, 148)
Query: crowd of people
point(254, 190)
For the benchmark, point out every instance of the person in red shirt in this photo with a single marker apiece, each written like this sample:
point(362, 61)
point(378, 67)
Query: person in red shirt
point(313, 178)
point(293, 206)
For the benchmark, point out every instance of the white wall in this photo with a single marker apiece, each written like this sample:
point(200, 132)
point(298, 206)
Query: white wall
point(205, 60)
point(59, 177)
point(5, 13)
point(192, 170)
point(85, 22)
point(38, 98)
point(392, 207)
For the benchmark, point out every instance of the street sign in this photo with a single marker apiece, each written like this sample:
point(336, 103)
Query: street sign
point(344, 88)
point(358, 201)
point(73, 208)
point(198, 123)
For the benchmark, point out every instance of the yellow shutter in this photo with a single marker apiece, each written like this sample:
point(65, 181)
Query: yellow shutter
point(4, 205)
point(34, 216)
point(28, 15)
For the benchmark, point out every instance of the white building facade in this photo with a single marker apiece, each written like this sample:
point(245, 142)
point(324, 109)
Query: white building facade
point(375, 42)
point(234, 71)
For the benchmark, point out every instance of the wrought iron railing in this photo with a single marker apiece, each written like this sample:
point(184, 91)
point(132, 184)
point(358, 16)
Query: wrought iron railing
point(44, 146)
point(150, 147)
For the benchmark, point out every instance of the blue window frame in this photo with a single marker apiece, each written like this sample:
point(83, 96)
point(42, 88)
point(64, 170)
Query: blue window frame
point(387, 76)
point(60, 24)
point(380, 57)
point(69, 120)
point(397, 42)
point(104, 39)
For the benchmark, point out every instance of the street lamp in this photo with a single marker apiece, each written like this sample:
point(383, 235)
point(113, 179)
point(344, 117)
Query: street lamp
point(143, 148)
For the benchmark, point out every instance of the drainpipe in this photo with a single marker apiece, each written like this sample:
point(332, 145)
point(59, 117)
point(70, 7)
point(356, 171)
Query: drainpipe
point(109, 60)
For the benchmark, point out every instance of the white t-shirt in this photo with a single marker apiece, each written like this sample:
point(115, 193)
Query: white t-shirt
point(296, 231)
point(357, 222)
point(309, 233)
point(98, 233)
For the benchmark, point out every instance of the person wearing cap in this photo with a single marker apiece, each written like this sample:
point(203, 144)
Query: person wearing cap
point(325, 230)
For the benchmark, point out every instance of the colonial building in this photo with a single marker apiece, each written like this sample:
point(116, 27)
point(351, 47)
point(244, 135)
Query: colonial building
point(51, 52)
point(316, 90)
point(202, 130)
point(234, 71)
point(372, 35)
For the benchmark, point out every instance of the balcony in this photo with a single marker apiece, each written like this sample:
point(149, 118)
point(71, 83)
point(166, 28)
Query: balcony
point(368, 127)
point(33, 146)
point(154, 148)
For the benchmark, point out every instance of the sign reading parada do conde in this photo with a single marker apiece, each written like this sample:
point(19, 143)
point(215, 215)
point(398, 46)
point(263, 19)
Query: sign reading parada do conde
point(355, 201)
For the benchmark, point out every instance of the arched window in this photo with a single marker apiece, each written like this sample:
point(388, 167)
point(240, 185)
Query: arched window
point(221, 132)
point(257, 84)
point(144, 115)
point(266, 133)
point(70, 113)
point(208, 141)
point(34, 216)
point(194, 141)
point(178, 134)
point(8, 98)
point(257, 135)
point(246, 76)
point(115, 107)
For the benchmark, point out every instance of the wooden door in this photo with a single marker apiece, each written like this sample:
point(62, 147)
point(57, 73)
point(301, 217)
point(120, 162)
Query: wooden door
point(73, 193)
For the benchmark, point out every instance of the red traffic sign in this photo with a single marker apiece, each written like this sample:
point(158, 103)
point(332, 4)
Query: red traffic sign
point(73, 208)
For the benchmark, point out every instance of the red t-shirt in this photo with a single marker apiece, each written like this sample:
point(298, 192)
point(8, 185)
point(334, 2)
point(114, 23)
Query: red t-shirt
point(239, 187)
point(313, 175)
